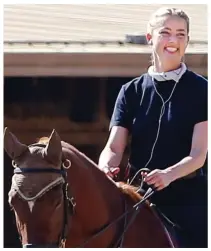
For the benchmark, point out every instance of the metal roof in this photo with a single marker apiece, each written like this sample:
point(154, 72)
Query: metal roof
point(93, 27)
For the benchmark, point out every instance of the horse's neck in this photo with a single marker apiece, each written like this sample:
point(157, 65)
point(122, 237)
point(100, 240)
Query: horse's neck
point(96, 196)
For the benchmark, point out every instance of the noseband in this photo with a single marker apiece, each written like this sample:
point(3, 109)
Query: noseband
point(69, 202)
point(69, 206)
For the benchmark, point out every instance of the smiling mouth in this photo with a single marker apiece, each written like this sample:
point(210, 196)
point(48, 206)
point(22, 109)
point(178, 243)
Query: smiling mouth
point(171, 49)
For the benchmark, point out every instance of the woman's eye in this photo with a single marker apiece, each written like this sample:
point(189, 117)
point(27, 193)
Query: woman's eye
point(181, 34)
point(164, 32)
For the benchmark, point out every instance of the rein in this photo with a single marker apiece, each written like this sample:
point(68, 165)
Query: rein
point(69, 205)
point(136, 207)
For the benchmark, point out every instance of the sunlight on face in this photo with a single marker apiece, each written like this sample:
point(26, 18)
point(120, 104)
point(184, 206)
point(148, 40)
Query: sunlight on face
point(169, 40)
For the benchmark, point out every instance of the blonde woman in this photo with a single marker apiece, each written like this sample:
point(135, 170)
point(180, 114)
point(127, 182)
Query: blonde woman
point(165, 111)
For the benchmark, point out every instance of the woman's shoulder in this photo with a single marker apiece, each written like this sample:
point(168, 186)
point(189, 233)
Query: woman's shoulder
point(136, 84)
point(196, 86)
point(197, 80)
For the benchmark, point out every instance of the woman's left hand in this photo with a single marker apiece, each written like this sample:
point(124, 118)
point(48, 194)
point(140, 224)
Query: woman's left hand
point(158, 179)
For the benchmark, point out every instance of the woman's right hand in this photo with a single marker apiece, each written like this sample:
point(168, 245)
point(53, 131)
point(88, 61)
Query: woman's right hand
point(113, 151)
point(111, 171)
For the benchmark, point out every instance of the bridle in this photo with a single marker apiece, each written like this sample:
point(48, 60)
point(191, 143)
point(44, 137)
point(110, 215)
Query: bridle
point(69, 202)
point(69, 206)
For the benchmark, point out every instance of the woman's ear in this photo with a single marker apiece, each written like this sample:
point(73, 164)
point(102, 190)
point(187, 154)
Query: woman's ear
point(149, 38)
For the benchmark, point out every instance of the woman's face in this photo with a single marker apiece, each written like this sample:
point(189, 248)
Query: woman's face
point(169, 40)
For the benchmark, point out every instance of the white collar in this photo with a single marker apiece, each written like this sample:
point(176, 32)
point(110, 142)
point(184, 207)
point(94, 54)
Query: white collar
point(170, 75)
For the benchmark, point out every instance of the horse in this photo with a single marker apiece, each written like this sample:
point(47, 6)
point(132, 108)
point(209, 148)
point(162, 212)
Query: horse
point(61, 198)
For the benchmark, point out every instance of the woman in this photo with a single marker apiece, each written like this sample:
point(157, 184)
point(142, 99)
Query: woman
point(165, 111)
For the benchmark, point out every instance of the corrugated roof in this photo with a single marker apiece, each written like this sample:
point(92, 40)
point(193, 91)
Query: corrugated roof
point(89, 22)
point(71, 22)
point(95, 48)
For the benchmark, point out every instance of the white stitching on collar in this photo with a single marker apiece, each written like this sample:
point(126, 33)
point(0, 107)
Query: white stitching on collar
point(170, 75)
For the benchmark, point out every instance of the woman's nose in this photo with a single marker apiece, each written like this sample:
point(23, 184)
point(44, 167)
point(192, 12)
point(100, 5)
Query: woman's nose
point(172, 39)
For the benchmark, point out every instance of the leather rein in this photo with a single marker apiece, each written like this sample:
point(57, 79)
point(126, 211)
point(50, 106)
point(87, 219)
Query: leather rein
point(70, 204)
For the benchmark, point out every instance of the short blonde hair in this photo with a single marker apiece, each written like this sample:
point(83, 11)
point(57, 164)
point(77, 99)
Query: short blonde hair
point(164, 11)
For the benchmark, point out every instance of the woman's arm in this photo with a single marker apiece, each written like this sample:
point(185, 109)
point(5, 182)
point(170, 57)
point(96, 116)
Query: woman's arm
point(162, 178)
point(197, 155)
point(120, 125)
point(111, 155)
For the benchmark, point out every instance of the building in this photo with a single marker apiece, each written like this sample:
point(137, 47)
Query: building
point(64, 65)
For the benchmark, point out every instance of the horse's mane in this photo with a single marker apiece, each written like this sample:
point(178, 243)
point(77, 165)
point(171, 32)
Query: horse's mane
point(126, 189)
point(129, 190)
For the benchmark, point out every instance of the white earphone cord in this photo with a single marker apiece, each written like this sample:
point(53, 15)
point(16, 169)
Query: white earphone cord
point(159, 124)
point(161, 115)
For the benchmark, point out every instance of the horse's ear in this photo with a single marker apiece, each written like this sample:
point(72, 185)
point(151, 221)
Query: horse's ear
point(12, 145)
point(53, 150)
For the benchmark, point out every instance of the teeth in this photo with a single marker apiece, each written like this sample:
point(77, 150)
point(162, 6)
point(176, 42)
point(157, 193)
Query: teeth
point(171, 49)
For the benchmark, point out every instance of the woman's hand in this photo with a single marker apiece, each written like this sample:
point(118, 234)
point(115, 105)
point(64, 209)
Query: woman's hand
point(157, 178)
point(111, 171)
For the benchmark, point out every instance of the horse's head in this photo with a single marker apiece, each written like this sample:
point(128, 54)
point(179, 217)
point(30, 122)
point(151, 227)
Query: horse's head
point(43, 204)
point(37, 193)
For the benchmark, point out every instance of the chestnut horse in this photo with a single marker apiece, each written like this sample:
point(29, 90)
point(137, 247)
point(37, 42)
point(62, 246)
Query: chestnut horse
point(62, 199)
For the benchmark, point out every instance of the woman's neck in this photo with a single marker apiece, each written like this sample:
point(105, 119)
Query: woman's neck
point(169, 75)
point(159, 67)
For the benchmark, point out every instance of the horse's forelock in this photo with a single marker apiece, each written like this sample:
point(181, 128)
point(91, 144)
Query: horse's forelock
point(36, 150)
point(43, 140)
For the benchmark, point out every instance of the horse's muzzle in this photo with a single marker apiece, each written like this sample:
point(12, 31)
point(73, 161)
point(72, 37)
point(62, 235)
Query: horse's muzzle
point(40, 246)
